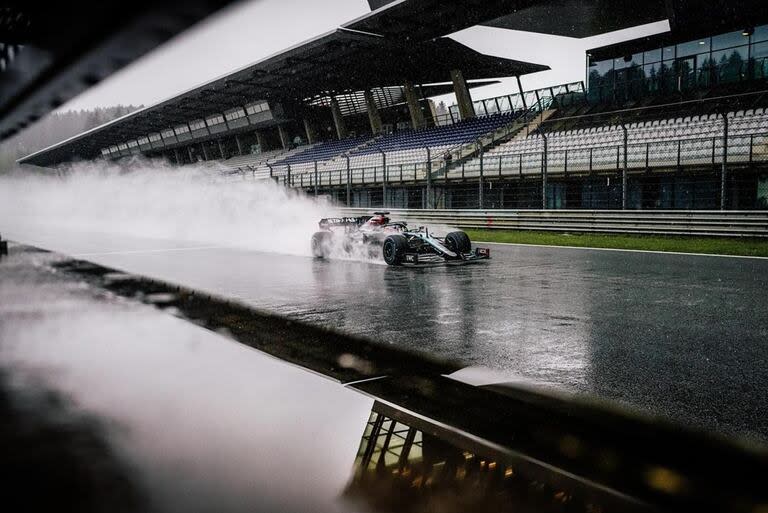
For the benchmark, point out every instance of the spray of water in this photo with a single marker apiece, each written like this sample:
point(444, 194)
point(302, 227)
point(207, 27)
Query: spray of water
point(150, 199)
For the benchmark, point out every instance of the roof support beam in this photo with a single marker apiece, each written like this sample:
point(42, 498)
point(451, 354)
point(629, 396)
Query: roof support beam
point(338, 119)
point(417, 116)
point(463, 98)
point(373, 113)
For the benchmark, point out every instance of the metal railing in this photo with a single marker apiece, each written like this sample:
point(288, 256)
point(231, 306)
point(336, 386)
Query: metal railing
point(716, 153)
point(664, 222)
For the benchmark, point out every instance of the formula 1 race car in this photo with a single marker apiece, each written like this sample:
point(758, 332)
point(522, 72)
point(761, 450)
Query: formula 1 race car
point(398, 244)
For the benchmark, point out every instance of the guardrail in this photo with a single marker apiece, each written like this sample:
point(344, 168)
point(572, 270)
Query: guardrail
point(713, 223)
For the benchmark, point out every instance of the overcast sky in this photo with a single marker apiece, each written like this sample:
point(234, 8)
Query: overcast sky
point(252, 30)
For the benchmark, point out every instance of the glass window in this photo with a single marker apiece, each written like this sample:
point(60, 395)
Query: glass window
point(760, 34)
point(132, 144)
point(255, 108)
point(652, 56)
point(652, 75)
point(197, 124)
point(234, 114)
point(181, 129)
point(760, 50)
point(122, 146)
point(167, 133)
point(731, 65)
point(693, 47)
point(669, 52)
point(144, 140)
point(215, 119)
point(729, 40)
point(760, 56)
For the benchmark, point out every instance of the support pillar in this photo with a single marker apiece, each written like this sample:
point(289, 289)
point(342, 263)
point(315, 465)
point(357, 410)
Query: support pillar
point(373, 113)
point(463, 98)
point(239, 145)
point(221, 149)
point(205, 152)
point(177, 155)
point(338, 119)
point(285, 140)
point(417, 117)
point(260, 141)
point(191, 156)
point(522, 94)
point(309, 128)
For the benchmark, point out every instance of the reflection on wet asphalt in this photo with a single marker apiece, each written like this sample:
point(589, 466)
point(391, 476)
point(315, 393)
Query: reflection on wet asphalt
point(135, 405)
point(684, 336)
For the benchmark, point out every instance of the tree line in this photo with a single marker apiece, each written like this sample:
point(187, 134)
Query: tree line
point(56, 127)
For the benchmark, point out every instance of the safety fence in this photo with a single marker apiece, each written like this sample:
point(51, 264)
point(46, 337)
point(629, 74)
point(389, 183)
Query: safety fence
point(725, 171)
point(664, 222)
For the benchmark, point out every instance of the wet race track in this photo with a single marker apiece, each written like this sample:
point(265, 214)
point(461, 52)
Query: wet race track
point(676, 335)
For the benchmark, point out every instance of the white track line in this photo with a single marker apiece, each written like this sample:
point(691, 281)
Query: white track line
point(140, 251)
point(624, 250)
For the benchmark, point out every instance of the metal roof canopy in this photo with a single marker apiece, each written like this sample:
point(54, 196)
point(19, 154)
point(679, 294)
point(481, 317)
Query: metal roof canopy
point(52, 51)
point(424, 19)
point(391, 96)
point(338, 62)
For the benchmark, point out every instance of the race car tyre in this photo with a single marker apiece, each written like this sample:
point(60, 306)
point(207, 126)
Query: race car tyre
point(394, 249)
point(321, 244)
point(458, 242)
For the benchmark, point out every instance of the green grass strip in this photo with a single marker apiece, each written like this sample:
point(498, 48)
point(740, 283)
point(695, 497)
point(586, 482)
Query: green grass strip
point(705, 245)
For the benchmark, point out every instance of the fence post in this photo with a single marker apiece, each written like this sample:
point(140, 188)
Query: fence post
point(429, 178)
point(624, 170)
point(544, 172)
point(723, 176)
point(384, 177)
point(316, 184)
point(349, 183)
point(271, 173)
point(481, 198)
point(288, 178)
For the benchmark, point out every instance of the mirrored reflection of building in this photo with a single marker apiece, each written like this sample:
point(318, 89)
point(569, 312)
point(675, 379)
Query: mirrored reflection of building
point(408, 464)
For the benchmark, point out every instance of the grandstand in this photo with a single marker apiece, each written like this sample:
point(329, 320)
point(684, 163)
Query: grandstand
point(675, 120)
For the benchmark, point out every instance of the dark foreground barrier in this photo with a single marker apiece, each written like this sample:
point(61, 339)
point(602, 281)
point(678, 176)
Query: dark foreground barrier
point(432, 440)
point(3, 247)
point(711, 223)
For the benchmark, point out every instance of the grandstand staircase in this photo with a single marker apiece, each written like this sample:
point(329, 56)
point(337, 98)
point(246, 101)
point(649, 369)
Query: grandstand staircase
point(520, 127)
point(336, 162)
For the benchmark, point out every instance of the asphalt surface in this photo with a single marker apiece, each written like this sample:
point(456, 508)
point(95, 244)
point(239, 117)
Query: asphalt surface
point(680, 336)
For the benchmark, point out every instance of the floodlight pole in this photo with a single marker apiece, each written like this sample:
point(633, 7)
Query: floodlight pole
point(429, 177)
point(624, 170)
point(349, 182)
point(724, 170)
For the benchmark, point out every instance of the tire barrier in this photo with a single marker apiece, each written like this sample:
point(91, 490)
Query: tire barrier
point(711, 223)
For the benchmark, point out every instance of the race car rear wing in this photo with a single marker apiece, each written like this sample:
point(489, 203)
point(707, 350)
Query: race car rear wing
point(332, 222)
